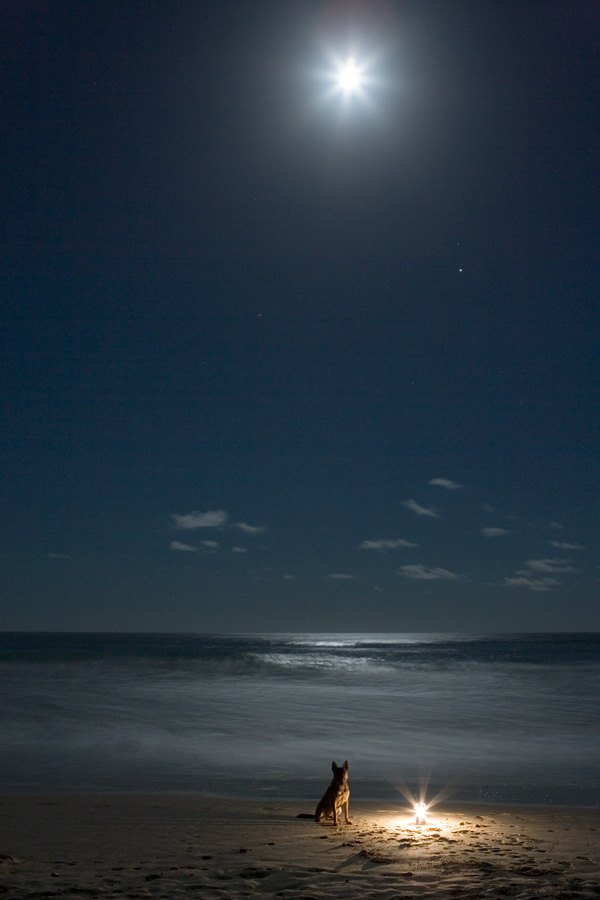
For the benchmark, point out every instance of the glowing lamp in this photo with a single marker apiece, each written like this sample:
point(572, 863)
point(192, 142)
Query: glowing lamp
point(421, 813)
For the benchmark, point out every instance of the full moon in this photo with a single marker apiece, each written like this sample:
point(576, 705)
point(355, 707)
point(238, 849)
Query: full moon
point(349, 77)
point(350, 84)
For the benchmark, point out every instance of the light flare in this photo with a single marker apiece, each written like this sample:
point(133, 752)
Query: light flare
point(421, 813)
point(349, 76)
point(351, 83)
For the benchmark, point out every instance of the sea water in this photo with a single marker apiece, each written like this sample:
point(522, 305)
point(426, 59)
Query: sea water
point(500, 718)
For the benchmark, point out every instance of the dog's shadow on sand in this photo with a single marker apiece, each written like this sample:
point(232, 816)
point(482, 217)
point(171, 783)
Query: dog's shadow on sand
point(364, 860)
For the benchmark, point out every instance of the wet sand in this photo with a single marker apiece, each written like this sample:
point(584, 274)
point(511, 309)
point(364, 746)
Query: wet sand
point(184, 846)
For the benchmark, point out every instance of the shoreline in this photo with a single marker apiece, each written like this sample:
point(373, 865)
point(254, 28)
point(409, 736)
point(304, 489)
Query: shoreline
point(286, 794)
point(169, 845)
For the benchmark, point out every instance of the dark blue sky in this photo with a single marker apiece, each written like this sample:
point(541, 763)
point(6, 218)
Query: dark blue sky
point(274, 359)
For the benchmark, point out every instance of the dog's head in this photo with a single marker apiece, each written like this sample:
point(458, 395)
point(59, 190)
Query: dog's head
point(340, 773)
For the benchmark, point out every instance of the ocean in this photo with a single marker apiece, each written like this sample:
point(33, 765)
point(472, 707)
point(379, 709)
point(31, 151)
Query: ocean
point(468, 718)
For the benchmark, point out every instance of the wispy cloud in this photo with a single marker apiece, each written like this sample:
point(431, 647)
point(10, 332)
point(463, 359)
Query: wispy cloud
point(185, 548)
point(211, 545)
point(563, 545)
point(531, 582)
point(494, 532)
point(214, 518)
point(423, 573)
point(340, 576)
point(250, 529)
point(384, 544)
point(446, 483)
point(239, 550)
point(420, 510)
point(537, 574)
point(551, 566)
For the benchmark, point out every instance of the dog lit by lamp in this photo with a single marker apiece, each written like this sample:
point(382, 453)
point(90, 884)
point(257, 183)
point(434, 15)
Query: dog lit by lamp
point(421, 812)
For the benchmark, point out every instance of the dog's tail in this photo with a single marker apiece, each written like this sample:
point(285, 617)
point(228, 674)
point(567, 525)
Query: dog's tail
point(306, 816)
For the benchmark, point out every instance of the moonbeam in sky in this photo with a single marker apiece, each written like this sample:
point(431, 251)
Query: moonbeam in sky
point(349, 77)
point(349, 82)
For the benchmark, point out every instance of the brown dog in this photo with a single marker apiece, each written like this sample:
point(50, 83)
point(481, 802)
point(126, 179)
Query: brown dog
point(335, 799)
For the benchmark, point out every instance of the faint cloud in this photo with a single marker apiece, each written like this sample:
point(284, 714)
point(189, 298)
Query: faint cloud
point(551, 566)
point(420, 510)
point(423, 573)
point(239, 550)
point(340, 576)
point(211, 545)
point(562, 545)
point(446, 483)
point(386, 544)
point(250, 529)
point(536, 576)
point(556, 526)
point(289, 577)
point(531, 583)
point(214, 518)
point(494, 532)
point(488, 508)
point(185, 548)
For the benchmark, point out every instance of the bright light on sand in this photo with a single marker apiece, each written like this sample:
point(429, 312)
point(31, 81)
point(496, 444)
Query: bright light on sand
point(421, 811)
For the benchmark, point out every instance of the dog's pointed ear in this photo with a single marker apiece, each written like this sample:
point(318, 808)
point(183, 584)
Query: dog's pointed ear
point(333, 766)
point(346, 765)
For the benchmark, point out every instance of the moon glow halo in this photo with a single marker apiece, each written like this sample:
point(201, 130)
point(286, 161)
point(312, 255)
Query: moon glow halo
point(349, 77)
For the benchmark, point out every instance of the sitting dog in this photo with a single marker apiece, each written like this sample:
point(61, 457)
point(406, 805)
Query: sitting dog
point(335, 799)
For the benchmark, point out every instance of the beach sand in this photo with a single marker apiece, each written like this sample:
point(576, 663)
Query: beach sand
point(170, 846)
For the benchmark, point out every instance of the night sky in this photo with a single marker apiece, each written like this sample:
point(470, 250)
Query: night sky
point(280, 357)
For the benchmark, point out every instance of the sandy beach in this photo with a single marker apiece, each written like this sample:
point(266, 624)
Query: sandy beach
point(159, 846)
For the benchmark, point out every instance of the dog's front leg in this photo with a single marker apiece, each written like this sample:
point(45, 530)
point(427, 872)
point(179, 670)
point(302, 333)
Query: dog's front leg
point(348, 822)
